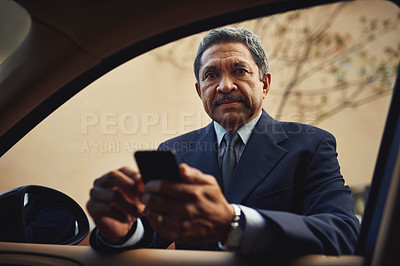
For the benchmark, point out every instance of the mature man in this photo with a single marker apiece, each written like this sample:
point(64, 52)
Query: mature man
point(251, 184)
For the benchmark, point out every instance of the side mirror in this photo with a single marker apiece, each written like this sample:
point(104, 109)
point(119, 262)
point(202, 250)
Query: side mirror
point(36, 214)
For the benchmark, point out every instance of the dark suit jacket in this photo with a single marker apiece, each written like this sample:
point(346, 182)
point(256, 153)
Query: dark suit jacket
point(289, 173)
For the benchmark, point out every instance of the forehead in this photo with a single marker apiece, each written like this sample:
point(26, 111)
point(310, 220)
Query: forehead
point(232, 51)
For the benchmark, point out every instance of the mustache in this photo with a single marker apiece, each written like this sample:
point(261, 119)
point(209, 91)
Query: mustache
point(238, 98)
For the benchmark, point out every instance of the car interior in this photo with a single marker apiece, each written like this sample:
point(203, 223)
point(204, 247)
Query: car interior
point(65, 46)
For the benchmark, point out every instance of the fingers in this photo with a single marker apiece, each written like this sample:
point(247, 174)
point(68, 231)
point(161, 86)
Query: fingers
point(135, 175)
point(124, 179)
point(186, 200)
point(166, 224)
point(113, 203)
point(99, 209)
point(194, 176)
point(190, 175)
point(175, 229)
point(163, 223)
point(195, 210)
point(178, 207)
point(171, 189)
point(116, 195)
point(112, 221)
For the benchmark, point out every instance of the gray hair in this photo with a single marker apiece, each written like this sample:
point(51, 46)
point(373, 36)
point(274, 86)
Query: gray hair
point(233, 34)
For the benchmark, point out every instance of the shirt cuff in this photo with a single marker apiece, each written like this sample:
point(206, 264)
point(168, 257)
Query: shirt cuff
point(253, 225)
point(256, 235)
point(132, 240)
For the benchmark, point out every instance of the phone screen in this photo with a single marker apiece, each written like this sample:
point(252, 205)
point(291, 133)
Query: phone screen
point(158, 165)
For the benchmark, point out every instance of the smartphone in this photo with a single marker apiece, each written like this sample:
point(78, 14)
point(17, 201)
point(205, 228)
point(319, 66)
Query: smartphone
point(158, 165)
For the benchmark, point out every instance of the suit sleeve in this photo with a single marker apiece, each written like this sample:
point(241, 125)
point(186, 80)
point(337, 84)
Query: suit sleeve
point(149, 240)
point(326, 223)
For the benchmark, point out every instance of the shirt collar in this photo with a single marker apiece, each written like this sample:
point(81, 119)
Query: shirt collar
point(244, 132)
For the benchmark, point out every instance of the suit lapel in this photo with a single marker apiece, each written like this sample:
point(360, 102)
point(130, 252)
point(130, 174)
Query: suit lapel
point(261, 154)
point(203, 153)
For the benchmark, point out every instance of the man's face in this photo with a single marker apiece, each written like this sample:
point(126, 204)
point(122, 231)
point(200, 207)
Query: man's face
point(230, 86)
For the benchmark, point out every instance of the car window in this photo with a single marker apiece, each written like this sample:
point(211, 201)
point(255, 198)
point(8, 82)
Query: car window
point(332, 66)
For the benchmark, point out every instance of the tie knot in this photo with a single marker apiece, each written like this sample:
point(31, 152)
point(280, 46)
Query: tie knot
point(231, 138)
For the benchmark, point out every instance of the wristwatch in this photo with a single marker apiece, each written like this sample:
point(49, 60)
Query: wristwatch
point(236, 232)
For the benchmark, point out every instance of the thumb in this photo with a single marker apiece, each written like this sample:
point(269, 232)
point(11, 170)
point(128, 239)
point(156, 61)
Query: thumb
point(194, 176)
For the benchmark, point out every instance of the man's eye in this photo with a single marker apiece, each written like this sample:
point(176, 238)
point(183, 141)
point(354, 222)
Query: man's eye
point(210, 75)
point(241, 71)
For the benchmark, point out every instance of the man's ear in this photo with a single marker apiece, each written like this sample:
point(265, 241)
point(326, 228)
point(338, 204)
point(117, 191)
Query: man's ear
point(266, 80)
point(198, 89)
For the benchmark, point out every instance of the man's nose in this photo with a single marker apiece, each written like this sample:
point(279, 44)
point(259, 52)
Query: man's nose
point(226, 84)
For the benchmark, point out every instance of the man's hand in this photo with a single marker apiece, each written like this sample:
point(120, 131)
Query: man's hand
point(115, 204)
point(193, 211)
